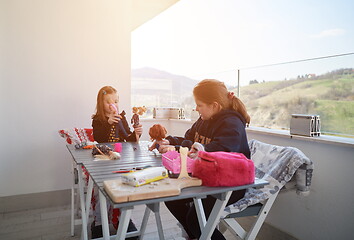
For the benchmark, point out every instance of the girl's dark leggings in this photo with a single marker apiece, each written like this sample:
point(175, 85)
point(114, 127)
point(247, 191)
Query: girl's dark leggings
point(184, 211)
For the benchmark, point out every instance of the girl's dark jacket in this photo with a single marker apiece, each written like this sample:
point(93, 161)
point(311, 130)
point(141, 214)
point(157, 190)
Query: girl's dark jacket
point(101, 130)
point(225, 131)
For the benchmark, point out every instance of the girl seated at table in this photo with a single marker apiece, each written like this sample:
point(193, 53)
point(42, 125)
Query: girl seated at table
point(221, 127)
point(110, 126)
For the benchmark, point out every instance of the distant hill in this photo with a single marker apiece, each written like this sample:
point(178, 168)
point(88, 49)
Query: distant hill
point(331, 95)
point(153, 87)
point(153, 73)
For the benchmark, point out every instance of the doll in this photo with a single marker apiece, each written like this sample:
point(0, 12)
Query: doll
point(157, 134)
point(142, 110)
point(136, 112)
point(103, 152)
point(135, 117)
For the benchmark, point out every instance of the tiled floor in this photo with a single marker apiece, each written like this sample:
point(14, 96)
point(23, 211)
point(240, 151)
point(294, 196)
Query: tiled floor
point(54, 224)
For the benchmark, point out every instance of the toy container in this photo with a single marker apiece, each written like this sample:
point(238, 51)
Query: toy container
point(172, 162)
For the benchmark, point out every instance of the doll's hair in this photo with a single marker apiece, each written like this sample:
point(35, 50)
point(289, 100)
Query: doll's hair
point(157, 132)
point(100, 114)
point(211, 90)
point(141, 110)
point(135, 109)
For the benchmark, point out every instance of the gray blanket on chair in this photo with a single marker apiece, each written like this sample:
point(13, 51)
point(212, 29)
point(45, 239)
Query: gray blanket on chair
point(275, 164)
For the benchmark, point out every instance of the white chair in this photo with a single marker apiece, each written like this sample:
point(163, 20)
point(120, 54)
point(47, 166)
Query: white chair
point(278, 165)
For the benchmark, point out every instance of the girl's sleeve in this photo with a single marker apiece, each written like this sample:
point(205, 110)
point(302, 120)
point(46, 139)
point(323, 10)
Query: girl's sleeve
point(175, 140)
point(189, 135)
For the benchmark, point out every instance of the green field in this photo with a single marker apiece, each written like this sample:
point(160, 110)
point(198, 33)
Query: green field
point(270, 104)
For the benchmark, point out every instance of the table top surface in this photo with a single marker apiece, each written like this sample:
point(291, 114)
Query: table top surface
point(131, 152)
point(137, 155)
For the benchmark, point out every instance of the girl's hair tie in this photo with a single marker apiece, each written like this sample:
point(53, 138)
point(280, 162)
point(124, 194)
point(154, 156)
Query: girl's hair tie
point(104, 92)
point(230, 95)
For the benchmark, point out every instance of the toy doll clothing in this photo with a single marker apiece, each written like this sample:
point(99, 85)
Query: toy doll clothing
point(135, 120)
point(105, 132)
point(225, 131)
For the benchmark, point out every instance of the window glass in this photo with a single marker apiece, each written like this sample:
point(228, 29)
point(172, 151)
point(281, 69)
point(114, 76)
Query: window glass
point(322, 87)
point(154, 88)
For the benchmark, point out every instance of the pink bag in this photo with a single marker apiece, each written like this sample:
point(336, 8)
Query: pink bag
point(223, 169)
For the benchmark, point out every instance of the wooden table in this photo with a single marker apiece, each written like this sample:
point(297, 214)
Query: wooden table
point(137, 155)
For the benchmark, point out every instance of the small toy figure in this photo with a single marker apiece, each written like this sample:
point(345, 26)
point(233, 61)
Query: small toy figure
point(157, 134)
point(135, 117)
point(137, 111)
point(103, 152)
point(142, 110)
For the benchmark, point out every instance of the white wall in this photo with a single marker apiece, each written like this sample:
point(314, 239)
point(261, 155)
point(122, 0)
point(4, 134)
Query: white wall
point(54, 57)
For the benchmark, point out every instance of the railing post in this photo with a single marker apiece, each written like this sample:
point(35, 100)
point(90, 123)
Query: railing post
point(238, 83)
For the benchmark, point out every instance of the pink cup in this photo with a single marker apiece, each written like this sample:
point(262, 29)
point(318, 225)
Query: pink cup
point(117, 147)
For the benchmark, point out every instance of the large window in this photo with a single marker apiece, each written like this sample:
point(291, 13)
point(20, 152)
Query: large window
point(321, 86)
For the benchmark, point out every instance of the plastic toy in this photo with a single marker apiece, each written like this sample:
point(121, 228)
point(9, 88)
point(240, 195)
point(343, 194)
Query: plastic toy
point(157, 134)
point(136, 112)
point(103, 152)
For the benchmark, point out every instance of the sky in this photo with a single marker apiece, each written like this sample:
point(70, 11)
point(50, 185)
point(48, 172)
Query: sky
point(212, 38)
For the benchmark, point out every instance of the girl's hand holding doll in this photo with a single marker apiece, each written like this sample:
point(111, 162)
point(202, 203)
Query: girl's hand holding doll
point(114, 118)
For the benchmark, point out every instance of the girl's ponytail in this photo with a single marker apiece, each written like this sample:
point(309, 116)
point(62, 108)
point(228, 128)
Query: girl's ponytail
point(239, 106)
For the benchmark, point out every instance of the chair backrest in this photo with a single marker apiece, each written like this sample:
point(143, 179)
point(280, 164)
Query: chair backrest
point(279, 162)
point(275, 164)
point(77, 135)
